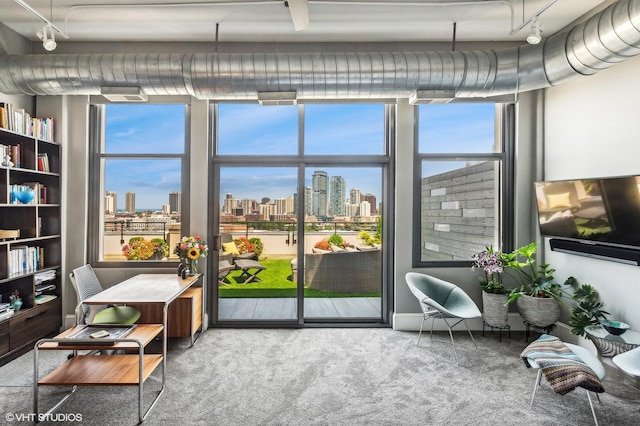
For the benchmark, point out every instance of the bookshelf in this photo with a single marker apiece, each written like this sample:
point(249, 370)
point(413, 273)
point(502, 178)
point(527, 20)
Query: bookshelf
point(30, 241)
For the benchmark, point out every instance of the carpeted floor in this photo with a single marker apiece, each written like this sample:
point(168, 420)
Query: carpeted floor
point(327, 376)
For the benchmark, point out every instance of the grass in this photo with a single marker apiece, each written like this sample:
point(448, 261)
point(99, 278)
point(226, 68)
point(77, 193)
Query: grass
point(276, 282)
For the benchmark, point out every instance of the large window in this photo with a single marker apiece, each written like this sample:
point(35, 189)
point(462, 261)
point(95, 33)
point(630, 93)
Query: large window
point(139, 150)
point(462, 157)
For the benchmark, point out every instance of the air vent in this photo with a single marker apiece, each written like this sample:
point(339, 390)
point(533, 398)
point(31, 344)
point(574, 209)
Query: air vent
point(123, 94)
point(277, 98)
point(432, 97)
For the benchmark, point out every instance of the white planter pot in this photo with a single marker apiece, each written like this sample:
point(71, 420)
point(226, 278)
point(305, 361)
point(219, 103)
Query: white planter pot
point(494, 311)
point(539, 311)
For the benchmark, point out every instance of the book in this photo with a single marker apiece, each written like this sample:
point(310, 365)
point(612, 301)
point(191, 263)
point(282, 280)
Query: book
point(44, 298)
point(43, 162)
point(116, 331)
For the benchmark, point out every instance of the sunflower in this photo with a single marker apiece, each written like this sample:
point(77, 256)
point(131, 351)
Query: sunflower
point(193, 253)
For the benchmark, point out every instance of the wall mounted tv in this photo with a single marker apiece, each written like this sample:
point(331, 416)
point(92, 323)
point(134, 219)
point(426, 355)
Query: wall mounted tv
point(598, 216)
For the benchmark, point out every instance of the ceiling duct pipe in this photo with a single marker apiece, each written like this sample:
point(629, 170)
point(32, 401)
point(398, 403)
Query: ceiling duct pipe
point(605, 39)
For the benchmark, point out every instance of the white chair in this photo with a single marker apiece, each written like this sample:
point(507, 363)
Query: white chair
point(443, 300)
point(629, 362)
point(588, 358)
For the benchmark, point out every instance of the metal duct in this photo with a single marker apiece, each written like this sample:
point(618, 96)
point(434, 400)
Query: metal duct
point(607, 38)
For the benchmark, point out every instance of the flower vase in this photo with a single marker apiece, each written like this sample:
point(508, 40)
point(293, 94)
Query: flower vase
point(192, 264)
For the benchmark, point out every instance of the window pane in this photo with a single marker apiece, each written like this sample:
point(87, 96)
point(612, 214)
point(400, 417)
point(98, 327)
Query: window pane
point(459, 208)
point(248, 129)
point(344, 129)
point(457, 128)
point(145, 129)
point(142, 199)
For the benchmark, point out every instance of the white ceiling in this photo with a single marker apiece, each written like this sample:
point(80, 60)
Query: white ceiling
point(271, 20)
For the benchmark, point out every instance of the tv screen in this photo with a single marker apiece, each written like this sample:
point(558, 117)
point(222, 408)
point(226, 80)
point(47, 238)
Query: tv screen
point(602, 210)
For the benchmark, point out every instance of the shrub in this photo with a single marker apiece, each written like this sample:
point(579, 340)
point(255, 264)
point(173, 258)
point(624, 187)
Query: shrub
point(336, 240)
point(369, 239)
point(323, 245)
point(257, 245)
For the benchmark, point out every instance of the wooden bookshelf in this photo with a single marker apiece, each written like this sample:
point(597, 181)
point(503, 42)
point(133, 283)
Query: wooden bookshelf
point(30, 250)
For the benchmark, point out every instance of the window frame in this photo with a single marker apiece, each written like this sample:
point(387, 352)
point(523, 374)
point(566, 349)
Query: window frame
point(505, 129)
point(97, 140)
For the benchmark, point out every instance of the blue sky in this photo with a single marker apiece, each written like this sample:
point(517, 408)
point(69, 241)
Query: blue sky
point(251, 129)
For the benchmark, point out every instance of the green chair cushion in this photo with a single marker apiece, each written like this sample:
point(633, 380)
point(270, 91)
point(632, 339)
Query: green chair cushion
point(117, 315)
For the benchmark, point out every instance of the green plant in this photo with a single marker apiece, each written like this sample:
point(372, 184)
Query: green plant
point(588, 310)
point(535, 280)
point(492, 263)
point(160, 246)
point(369, 239)
point(258, 247)
point(249, 245)
point(138, 249)
point(336, 240)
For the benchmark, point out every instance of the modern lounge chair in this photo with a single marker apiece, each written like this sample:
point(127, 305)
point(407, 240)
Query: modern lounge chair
point(228, 246)
point(629, 362)
point(443, 300)
point(576, 357)
point(225, 265)
point(86, 284)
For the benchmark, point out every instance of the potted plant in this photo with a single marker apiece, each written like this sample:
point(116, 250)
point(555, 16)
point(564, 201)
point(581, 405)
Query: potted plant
point(539, 295)
point(160, 248)
point(588, 310)
point(494, 294)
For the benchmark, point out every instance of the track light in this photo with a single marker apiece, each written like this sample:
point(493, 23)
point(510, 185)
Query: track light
point(48, 38)
point(536, 32)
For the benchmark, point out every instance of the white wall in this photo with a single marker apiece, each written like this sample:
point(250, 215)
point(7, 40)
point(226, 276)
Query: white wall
point(591, 130)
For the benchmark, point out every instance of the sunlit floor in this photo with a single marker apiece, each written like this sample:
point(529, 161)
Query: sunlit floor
point(285, 308)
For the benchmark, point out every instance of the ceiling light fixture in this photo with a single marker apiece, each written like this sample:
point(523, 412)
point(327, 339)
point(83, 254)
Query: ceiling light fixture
point(536, 32)
point(48, 38)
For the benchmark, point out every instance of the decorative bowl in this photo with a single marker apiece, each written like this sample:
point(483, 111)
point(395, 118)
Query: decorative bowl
point(615, 327)
point(25, 196)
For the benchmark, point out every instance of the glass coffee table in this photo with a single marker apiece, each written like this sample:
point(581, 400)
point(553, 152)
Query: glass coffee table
point(610, 345)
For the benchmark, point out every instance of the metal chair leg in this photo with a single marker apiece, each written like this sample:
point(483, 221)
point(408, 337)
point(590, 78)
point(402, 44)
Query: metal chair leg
point(535, 386)
point(421, 325)
point(595, 420)
point(469, 330)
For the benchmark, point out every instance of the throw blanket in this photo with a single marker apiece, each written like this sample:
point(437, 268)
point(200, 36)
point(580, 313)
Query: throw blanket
point(563, 369)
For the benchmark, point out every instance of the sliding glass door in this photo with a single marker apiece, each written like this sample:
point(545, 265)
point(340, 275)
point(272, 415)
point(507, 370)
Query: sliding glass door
point(298, 205)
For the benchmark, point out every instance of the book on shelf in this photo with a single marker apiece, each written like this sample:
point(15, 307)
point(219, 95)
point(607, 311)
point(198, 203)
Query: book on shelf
point(20, 121)
point(43, 162)
point(44, 298)
point(40, 190)
point(115, 331)
point(25, 259)
point(44, 276)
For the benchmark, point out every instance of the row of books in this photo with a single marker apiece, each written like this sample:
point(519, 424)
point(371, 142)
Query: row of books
point(19, 121)
point(11, 153)
point(43, 163)
point(25, 259)
point(39, 190)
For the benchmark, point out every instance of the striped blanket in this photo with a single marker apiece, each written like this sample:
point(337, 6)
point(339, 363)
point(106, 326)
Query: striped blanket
point(563, 369)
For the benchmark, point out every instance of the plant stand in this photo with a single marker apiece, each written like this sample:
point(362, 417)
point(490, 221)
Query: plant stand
point(504, 327)
point(528, 326)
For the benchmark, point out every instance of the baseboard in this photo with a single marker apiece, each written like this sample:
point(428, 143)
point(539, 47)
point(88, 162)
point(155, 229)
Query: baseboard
point(412, 321)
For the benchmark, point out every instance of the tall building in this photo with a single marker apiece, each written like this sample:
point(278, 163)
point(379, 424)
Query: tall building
point(230, 204)
point(308, 200)
point(365, 209)
point(110, 202)
point(372, 201)
point(355, 196)
point(130, 202)
point(175, 202)
point(319, 186)
point(337, 196)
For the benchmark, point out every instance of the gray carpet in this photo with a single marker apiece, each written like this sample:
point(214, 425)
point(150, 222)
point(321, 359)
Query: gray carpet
point(327, 377)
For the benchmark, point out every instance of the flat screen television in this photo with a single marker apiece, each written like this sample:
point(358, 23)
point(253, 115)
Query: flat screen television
point(603, 211)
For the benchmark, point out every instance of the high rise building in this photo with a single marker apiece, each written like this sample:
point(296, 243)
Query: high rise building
point(319, 186)
point(337, 196)
point(175, 202)
point(230, 204)
point(130, 202)
point(166, 209)
point(372, 201)
point(110, 202)
point(365, 209)
point(248, 205)
point(355, 196)
point(308, 200)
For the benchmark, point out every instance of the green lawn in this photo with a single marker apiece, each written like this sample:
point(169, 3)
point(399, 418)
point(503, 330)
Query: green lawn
point(276, 282)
